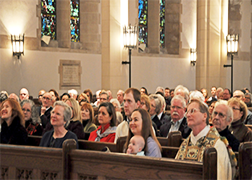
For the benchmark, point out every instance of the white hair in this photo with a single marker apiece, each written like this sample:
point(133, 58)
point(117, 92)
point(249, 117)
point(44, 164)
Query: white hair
point(196, 95)
point(73, 91)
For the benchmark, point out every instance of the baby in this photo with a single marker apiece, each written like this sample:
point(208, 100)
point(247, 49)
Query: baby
point(136, 145)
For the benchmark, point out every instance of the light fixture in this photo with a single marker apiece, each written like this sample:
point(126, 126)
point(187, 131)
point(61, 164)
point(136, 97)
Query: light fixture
point(130, 42)
point(17, 42)
point(193, 56)
point(232, 48)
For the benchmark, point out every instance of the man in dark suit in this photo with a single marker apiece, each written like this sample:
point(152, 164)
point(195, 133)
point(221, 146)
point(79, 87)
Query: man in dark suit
point(177, 120)
point(45, 110)
point(157, 110)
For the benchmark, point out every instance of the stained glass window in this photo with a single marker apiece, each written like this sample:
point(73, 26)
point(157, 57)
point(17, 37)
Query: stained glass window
point(75, 21)
point(143, 18)
point(48, 18)
point(162, 23)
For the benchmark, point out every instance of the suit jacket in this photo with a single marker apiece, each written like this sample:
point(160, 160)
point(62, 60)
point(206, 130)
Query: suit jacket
point(45, 118)
point(183, 128)
point(164, 119)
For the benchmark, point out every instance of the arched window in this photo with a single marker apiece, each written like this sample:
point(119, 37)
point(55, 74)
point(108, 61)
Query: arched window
point(48, 18)
point(75, 21)
point(162, 23)
point(143, 21)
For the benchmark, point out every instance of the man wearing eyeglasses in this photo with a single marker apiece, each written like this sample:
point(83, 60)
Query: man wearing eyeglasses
point(222, 116)
point(201, 137)
point(177, 120)
point(45, 111)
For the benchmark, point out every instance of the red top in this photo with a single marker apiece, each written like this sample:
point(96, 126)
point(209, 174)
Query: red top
point(108, 138)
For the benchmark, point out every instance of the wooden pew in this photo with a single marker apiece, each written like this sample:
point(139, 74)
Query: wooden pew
point(97, 146)
point(26, 162)
point(98, 165)
point(174, 139)
point(34, 140)
point(245, 160)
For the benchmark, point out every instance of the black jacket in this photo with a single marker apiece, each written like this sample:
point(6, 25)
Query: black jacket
point(183, 128)
point(13, 134)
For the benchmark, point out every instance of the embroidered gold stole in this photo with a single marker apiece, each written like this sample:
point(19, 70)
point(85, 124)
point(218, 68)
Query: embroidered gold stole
point(188, 151)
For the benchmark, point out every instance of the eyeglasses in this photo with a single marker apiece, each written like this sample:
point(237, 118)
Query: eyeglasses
point(191, 111)
point(27, 110)
point(173, 107)
point(220, 114)
point(234, 108)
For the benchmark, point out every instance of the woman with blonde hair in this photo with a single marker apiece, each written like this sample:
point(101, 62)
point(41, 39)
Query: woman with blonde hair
point(237, 127)
point(87, 117)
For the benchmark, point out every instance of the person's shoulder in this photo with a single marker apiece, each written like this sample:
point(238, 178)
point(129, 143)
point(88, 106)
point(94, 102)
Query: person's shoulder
point(122, 124)
point(71, 134)
point(48, 133)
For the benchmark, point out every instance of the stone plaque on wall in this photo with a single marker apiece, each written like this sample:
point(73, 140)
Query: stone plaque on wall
point(70, 74)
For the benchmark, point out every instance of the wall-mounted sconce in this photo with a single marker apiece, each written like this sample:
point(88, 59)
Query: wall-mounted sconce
point(130, 42)
point(193, 56)
point(232, 48)
point(17, 42)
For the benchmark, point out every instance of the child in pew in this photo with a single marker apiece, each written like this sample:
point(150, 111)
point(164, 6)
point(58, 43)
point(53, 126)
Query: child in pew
point(136, 146)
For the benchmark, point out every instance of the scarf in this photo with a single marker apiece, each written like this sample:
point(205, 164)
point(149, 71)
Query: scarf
point(108, 131)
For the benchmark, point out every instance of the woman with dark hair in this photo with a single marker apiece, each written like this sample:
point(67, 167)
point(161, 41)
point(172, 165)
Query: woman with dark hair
point(141, 124)
point(64, 96)
point(143, 90)
point(33, 124)
point(87, 117)
point(55, 95)
point(12, 120)
point(107, 119)
point(60, 116)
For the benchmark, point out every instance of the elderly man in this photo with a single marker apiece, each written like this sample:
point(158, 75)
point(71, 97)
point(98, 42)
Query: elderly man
point(104, 96)
point(219, 91)
point(23, 94)
point(177, 120)
point(131, 102)
point(222, 116)
point(45, 110)
point(73, 93)
point(201, 137)
point(182, 91)
point(157, 109)
point(119, 97)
